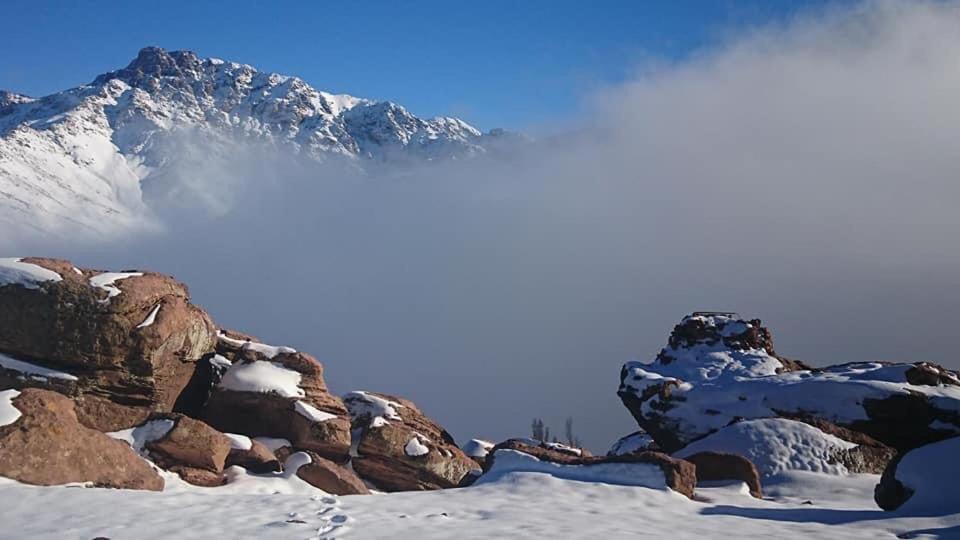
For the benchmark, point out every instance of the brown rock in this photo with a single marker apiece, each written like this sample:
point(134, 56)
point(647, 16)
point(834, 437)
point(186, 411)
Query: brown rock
point(330, 477)
point(259, 414)
point(927, 374)
point(404, 450)
point(190, 443)
point(718, 466)
point(680, 475)
point(258, 459)
point(47, 445)
point(126, 369)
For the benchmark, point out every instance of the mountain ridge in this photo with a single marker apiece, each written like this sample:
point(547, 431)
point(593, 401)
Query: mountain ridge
point(79, 158)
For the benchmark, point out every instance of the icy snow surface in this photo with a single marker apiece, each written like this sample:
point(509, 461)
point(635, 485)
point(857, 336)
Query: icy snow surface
point(630, 474)
point(776, 445)
point(15, 272)
point(33, 370)
point(517, 505)
point(932, 472)
point(8, 413)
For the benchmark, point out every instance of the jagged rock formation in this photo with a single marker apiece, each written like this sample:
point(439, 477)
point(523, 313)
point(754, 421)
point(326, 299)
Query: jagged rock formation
point(719, 368)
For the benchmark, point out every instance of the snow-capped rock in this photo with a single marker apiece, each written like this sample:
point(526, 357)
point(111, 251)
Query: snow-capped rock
point(718, 368)
point(86, 159)
point(924, 480)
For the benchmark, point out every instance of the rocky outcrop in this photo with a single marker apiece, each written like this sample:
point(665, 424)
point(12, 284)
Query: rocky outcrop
point(398, 448)
point(677, 474)
point(330, 477)
point(269, 391)
point(253, 456)
point(720, 466)
point(718, 368)
point(125, 344)
point(193, 450)
point(47, 445)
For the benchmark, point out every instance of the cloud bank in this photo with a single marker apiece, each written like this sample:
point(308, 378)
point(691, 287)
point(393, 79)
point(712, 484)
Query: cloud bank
point(805, 174)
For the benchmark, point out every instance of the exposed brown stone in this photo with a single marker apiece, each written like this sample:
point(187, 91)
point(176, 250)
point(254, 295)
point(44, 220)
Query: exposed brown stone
point(258, 414)
point(258, 459)
point(126, 371)
point(382, 456)
point(191, 443)
point(47, 445)
point(330, 477)
point(718, 466)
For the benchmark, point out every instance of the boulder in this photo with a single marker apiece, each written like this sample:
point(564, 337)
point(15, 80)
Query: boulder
point(398, 448)
point(720, 466)
point(270, 391)
point(718, 367)
point(254, 456)
point(330, 477)
point(45, 444)
point(124, 344)
point(924, 481)
point(651, 469)
point(192, 449)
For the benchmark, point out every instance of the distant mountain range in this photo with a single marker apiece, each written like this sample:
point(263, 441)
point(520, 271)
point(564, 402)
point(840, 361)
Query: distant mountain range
point(94, 157)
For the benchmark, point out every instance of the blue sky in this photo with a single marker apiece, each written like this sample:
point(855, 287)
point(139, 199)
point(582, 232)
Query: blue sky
point(520, 65)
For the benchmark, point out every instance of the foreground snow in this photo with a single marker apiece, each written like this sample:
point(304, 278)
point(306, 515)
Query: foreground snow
point(515, 505)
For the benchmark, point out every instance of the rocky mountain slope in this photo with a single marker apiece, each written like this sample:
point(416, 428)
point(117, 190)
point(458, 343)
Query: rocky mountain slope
point(94, 158)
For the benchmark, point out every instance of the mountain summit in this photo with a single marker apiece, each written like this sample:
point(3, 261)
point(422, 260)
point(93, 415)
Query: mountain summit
point(95, 156)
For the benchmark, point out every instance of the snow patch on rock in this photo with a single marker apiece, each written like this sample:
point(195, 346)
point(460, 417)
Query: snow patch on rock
point(415, 447)
point(776, 445)
point(239, 442)
point(151, 317)
point(477, 448)
point(33, 370)
point(931, 472)
point(107, 282)
point(312, 413)
point(13, 271)
point(8, 413)
point(375, 409)
point(138, 437)
point(270, 351)
point(626, 474)
point(262, 377)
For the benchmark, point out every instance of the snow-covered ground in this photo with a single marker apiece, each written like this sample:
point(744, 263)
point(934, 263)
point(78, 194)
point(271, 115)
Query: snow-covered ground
point(515, 505)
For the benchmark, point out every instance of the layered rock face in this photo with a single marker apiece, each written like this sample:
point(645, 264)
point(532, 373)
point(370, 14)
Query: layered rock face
point(46, 444)
point(144, 365)
point(270, 391)
point(398, 448)
point(123, 344)
point(719, 368)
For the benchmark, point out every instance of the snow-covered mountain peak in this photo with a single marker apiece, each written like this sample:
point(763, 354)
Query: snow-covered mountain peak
point(96, 154)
